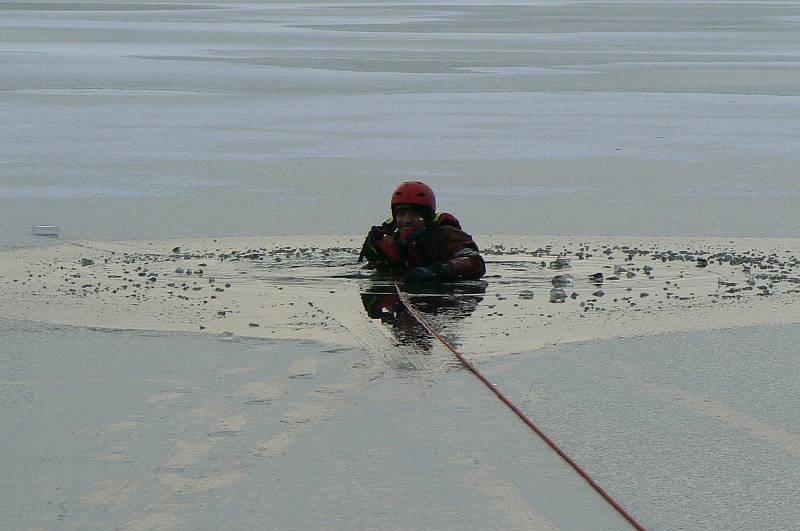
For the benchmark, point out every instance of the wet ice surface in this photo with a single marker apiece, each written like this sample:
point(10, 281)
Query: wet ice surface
point(107, 429)
point(682, 428)
point(242, 425)
point(707, 422)
point(537, 292)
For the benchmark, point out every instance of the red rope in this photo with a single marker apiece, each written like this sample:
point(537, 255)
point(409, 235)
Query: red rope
point(468, 364)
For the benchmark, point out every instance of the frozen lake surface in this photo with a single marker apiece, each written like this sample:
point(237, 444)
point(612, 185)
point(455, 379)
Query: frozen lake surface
point(164, 431)
point(701, 428)
point(247, 370)
point(130, 120)
point(155, 120)
point(105, 429)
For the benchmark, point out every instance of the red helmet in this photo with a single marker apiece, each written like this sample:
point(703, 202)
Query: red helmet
point(417, 194)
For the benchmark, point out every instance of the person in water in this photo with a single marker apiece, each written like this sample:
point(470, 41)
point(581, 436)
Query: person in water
point(419, 244)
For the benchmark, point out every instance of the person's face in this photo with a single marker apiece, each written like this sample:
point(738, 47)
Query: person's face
point(408, 218)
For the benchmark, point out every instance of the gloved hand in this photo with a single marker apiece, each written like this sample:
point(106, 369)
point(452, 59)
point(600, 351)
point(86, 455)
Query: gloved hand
point(430, 273)
point(370, 249)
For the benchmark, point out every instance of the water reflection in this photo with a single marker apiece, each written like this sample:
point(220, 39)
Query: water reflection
point(441, 303)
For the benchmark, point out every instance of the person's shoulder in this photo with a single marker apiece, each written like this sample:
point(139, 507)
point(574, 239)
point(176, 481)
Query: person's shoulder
point(450, 232)
point(447, 229)
point(446, 219)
